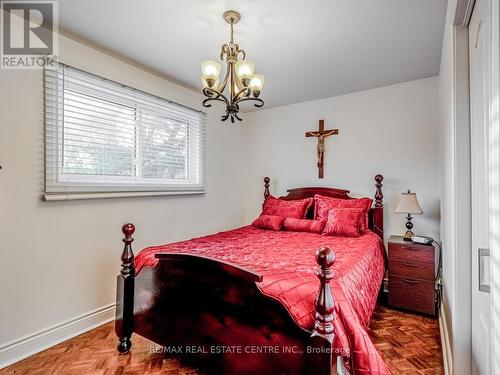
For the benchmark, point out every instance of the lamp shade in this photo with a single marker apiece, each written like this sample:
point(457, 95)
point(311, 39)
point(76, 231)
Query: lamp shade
point(245, 69)
point(408, 204)
point(257, 82)
point(210, 69)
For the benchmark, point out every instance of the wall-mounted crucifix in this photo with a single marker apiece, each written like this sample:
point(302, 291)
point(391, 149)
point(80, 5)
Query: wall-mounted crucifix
point(321, 134)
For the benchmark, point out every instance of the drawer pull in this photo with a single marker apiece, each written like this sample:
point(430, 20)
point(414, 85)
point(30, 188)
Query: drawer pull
point(410, 264)
point(410, 281)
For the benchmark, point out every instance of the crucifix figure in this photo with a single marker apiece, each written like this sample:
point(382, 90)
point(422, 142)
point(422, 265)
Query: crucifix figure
point(321, 134)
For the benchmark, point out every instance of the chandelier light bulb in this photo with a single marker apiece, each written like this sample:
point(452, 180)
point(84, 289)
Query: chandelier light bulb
point(245, 69)
point(210, 69)
point(256, 84)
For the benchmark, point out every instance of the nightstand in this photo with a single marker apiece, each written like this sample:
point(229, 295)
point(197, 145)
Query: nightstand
point(412, 270)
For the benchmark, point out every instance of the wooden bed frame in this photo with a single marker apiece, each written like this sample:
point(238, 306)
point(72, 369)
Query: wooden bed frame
point(210, 313)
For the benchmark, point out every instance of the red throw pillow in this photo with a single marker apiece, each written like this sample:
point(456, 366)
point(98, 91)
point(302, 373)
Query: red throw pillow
point(303, 225)
point(279, 207)
point(323, 204)
point(269, 222)
point(344, 222)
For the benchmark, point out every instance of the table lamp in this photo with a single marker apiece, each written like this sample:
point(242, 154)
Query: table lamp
point(408, 204)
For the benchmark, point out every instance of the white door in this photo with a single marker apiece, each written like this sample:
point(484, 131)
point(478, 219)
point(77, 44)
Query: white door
point(479, 62)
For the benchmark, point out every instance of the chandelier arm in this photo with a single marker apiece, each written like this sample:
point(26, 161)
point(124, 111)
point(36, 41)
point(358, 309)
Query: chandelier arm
point(233, 79)
point(206, 103)
point(235, 114)
point(208, 92)
point(243, 53)
point(245, 91)
point(239, 85)
point(259, 101)
point(227, 114)
point(224, 51)
point(236, 52)
point(223, 85)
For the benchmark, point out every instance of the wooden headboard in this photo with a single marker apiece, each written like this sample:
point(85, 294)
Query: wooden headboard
point(376, 214)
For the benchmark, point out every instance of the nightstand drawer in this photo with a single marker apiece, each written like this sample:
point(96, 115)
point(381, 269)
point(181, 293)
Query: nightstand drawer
point(412, 294)
point(423, 271)
point(411, 252)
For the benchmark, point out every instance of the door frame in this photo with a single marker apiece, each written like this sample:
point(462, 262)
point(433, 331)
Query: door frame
point(462, 278)
point(463, 261)
point(495, 185)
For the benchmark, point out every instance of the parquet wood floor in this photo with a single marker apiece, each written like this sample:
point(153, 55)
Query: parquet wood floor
point(408, 343)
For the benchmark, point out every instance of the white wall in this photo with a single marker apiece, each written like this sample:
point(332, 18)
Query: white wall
point(454, 141)
point(390, 130)
point(60, 259)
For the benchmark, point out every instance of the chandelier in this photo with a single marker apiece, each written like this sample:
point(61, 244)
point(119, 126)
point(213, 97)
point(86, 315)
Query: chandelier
point(241, 82)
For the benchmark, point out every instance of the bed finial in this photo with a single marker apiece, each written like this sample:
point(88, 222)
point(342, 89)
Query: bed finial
point(322, 360)
point(127, 254)
point(124, 323)
point(266, 187)
point(379, 196)
point(325, 257)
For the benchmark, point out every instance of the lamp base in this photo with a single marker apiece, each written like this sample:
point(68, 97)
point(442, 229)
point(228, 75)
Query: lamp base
point(409, 226)
point(408, 235)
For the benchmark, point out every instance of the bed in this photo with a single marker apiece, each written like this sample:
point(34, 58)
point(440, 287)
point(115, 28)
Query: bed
point(255, 301)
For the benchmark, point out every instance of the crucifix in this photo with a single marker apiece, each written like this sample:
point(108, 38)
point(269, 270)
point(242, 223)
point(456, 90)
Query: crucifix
point(321, 134)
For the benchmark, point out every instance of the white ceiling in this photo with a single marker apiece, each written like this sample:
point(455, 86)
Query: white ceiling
point(306, 49)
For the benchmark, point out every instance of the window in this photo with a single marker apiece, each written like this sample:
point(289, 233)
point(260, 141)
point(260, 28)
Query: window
point(103, 137)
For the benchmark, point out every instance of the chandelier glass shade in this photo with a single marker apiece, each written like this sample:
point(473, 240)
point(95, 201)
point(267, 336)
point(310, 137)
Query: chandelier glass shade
point(240, 83)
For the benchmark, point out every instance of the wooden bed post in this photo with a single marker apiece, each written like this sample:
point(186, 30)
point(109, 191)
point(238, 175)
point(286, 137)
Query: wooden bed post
point(124, 323)
point(379, 196)
point(378, 210)
point(321, 360)
point(266, 187)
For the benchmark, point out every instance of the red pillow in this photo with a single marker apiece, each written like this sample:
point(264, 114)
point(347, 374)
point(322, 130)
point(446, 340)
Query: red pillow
point(324, 204)
point(303, 225)
point(344, 222)
point(279, 207)
point(269, 222)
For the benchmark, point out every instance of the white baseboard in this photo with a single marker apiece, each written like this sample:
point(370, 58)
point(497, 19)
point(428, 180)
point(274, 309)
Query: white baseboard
point(445, 343)
point(26, 346)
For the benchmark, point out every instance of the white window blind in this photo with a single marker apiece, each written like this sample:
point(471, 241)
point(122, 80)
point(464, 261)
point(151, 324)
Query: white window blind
point(103, 137)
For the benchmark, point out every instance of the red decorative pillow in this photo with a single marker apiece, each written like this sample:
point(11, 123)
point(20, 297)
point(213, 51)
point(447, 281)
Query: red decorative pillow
point(279, 207)
point(303, 225)
point(344, 222)
point(269, 222)
point(323, 204)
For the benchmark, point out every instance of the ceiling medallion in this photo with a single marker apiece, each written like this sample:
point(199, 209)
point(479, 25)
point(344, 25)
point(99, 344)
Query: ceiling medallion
point(241, 82)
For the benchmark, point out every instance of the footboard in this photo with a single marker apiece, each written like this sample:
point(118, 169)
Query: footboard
point(211, 314)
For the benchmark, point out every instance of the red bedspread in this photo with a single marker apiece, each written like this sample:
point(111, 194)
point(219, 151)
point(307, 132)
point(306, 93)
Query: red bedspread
point(287, 262)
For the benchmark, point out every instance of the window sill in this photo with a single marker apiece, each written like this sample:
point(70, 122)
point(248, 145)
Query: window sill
point(52, 197)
